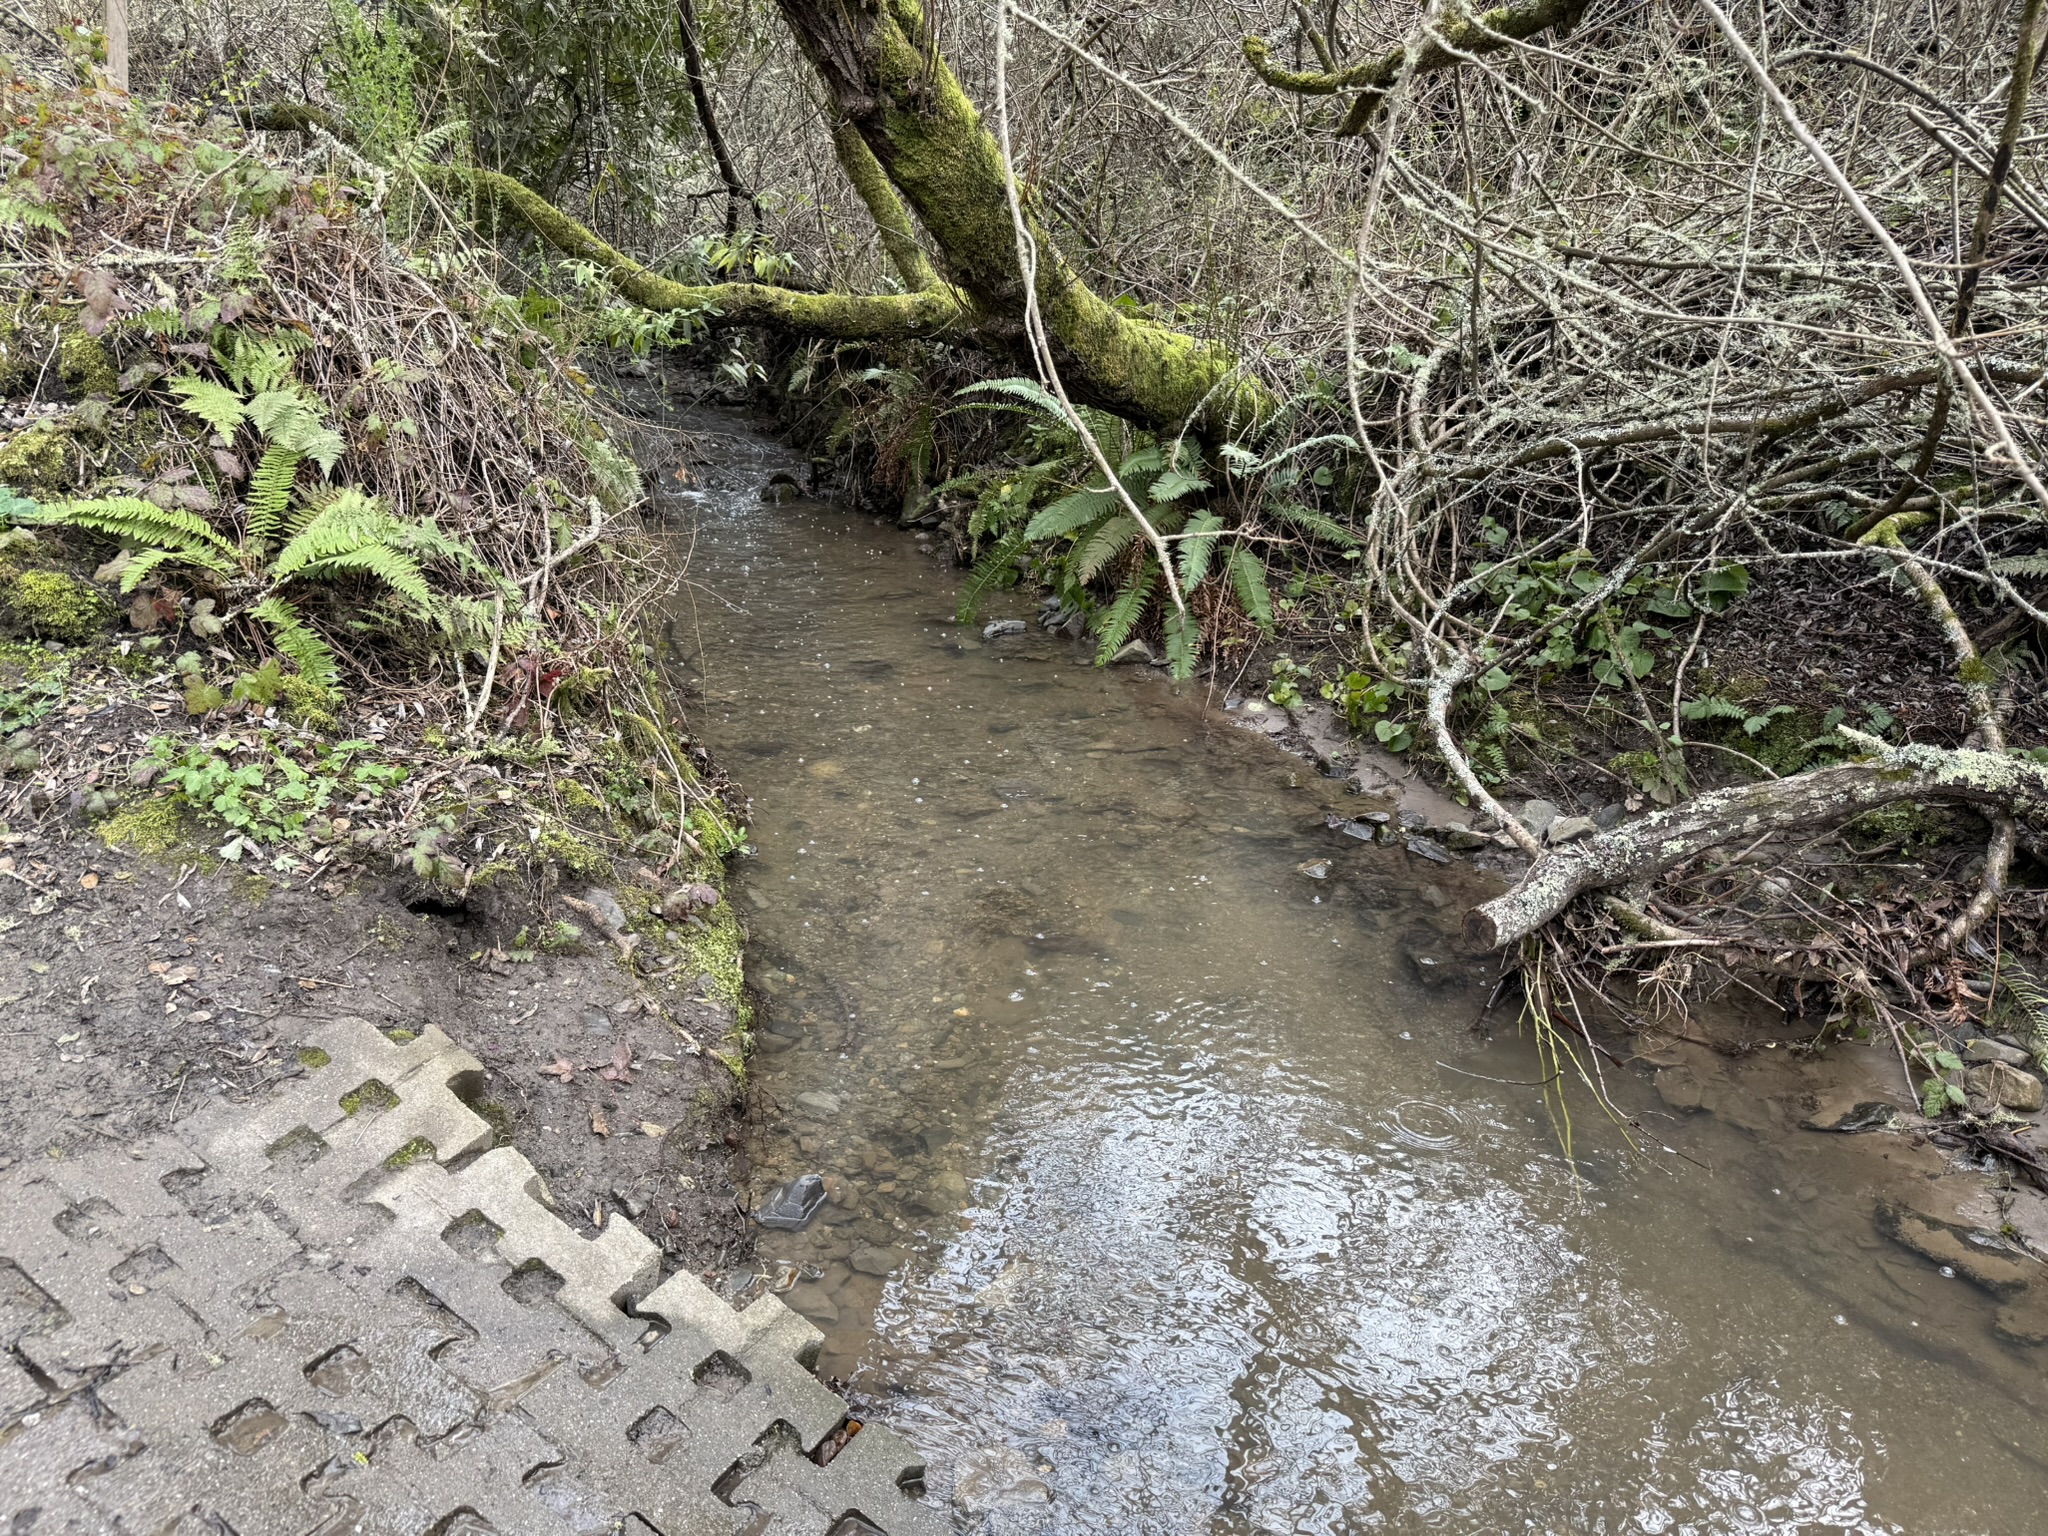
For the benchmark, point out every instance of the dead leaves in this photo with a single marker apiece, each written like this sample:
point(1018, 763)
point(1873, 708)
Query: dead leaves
point(622, 1061)
point(598, 1124)
point(561, 1067)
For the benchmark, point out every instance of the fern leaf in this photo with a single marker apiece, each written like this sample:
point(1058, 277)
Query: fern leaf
point(270, 492)
point(1030, 391)
point(19, 213)
point(1197, 549)
point(398, 571)
point(1143, 461)
point(1122, 616)
point(1183, 639)
point(292, 636)
point(1176, 483)
point(141, 565)
point(215, 404)
point(1104, 545)
point(2021, 565)
point(1313, 522)
point(346, 521)
point(1070, 513)
point(997, 568)
point(180, 533)
point(1248, 577)
point(290, 420)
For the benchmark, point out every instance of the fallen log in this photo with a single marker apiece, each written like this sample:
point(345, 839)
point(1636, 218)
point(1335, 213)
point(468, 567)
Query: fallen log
point(1643, 849)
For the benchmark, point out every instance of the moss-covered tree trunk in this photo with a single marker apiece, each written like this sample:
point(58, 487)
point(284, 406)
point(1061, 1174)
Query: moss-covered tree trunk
point(883, 71)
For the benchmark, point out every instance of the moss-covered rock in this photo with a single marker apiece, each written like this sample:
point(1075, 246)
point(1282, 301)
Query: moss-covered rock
point(37, 460)
point(50, 605)
point(84, 364)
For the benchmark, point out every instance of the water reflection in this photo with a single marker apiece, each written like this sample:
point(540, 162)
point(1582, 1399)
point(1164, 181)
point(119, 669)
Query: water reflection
point(1164, 1195)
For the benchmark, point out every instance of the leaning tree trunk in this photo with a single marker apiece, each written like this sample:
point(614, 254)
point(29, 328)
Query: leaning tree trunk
point(882, 69)
point(2015, 785)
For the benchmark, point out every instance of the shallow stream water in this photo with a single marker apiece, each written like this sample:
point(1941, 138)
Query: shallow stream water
point(1167, 1198)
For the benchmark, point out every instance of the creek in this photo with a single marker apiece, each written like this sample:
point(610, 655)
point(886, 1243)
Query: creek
point(1167, 1197)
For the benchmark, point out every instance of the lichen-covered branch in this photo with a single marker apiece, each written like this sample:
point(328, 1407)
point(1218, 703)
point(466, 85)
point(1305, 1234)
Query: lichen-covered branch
point(832, 316)
point(892, 220)
point(1443, 43)
point(1641, 850)
point(883, 72)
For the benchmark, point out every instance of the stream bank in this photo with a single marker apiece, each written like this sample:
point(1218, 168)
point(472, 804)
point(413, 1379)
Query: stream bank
point(1176, 1176)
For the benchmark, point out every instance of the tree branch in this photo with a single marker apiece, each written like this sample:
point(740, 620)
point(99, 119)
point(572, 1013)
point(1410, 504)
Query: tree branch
point(832, 316)
point(1441, 44)
point(1646, 848)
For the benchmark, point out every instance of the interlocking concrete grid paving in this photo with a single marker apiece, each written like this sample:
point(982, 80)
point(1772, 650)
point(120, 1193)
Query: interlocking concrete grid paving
point(339, 1310)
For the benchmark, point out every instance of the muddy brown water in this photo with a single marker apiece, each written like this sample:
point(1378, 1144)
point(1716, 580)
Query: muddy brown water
point(1167, 1199)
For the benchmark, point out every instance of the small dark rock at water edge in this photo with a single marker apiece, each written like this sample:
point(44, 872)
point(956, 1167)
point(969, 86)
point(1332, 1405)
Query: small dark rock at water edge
point(791, 1207)
point(781, 487)
point(1427, 848)
point(1002, 627)
point(1850, 1118)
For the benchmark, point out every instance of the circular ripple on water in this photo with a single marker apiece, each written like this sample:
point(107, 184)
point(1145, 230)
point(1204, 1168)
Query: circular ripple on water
point(1421, 1123)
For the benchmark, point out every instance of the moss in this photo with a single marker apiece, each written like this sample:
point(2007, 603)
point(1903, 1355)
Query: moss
point(498, 1118)
point(371, 1095)
point(577, 798)
point(410, 1153)
point(53, 606)
point(254, 889)
point(154, 826)
point(84, 364)
point(312, 1058)
point(570, 849)
point(37, 459)
point(305, 703)
point(716, 950)
point(494, 873)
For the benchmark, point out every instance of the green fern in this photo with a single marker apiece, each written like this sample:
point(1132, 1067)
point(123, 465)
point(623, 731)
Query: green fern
point(1248, 578)
point(215, 404)
point(1104, 545)
point(295, 638)
point(997, 568)
point(173, 531)
point(1198, 548)
point(2021, 565)
point(270, 492)
point(1030, 391)
point(1070, 513)
point(1183, 640)
point(290, 420)
point(19, 213)
point(1313, 522)
point(1123, 614)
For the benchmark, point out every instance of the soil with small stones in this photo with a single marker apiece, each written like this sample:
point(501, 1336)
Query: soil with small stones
point(131, 994)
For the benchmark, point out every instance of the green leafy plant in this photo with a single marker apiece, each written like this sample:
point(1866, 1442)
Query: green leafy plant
point(265, 791)
point(1288, 677)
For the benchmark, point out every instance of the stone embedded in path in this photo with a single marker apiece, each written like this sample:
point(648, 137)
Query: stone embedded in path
point(1566, 828)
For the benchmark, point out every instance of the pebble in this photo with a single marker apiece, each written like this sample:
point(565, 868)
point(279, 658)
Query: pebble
point(1002, 627)
point(1565, 828)
point(871, 1260)
point(606, 905)
point(819, 1103)
point(1537, 815)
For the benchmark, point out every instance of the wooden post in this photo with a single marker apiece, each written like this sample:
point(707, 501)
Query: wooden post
point(117, 44)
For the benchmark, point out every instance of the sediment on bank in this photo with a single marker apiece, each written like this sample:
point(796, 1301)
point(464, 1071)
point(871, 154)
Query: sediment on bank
point(323, 680)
